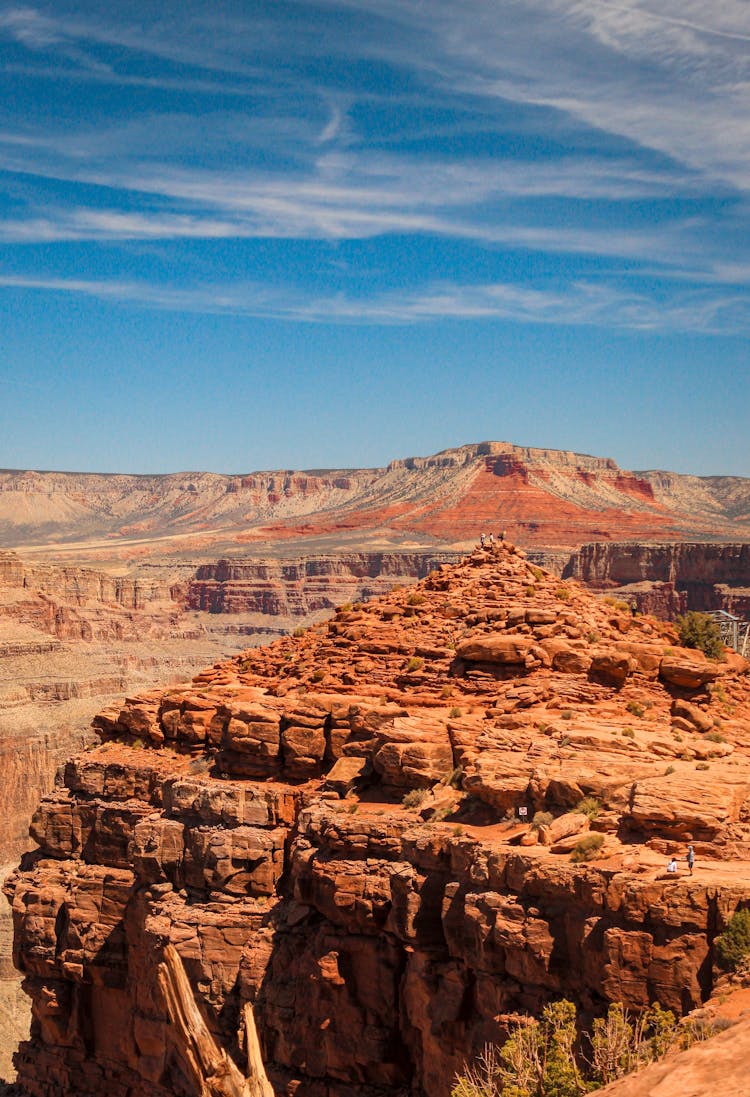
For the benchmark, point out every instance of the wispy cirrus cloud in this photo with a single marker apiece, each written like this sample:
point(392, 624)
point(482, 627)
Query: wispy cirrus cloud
point(591, 129)
point(574, 304)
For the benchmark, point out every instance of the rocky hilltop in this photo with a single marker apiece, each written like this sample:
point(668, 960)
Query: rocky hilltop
point(542, 498)
point(327, 842)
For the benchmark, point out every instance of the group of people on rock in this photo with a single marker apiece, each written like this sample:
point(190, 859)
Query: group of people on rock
point(487, 541)
point(689, 857)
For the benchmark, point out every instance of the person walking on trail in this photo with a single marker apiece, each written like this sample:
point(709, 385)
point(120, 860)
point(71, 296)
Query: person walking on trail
point(690, 859)
point(481, 539)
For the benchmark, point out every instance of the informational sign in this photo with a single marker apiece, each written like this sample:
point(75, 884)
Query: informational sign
point(522, 813)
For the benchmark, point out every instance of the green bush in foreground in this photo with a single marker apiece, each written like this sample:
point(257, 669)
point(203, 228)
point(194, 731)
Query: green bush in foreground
point(545, 1058)
point(733, 946)
point(699, 630)
point(587, 848)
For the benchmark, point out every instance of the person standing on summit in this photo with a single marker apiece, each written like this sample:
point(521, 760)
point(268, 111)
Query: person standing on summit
point(690, 859)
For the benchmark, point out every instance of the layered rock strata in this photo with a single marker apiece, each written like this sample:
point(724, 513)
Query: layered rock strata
point(299, 588)
point(667, 579)
point(332, 833)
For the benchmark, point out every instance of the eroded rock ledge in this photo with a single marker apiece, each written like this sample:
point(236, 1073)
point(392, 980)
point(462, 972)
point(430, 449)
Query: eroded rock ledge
point(252, 824)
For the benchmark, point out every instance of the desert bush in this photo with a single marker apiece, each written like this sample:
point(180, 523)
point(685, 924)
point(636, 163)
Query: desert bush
point(415, 663)
point(318, 675)
point(698, 630)
point(701, 765)
point(715, 737)
point(299, 631)
point(454, 778)
point(415, 599)
point(414, 798)
point(541, 819)
point(454, 713)
point(733, 946)
point(635, 708)
point(628, 733)
point(703, 1028)
point(543, 1058)
point(563, 594)
point(587, 848)
point(589, 806)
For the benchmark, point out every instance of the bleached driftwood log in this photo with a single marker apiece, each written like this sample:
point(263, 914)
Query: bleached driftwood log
point(212, 1071)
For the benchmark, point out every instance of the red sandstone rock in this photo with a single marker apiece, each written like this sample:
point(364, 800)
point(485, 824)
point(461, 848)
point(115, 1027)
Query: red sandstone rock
point(379, 946)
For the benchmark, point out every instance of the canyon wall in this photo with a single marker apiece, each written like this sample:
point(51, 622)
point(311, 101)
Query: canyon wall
point(325, 835)
point(298, 588)
point(709, 576)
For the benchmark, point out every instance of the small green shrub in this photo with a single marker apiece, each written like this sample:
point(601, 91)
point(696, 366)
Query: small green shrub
point(541, 819)
point(455, 713)
point(587, 848)
point(318, 675)
point(415, 663)
point(299, 631)
point(563, 593)
point(715, 737)
point(589, 806)
point(733, 946)
point(698, 630)
point(635, 708)
point(345, 607)
point(414, 798)
point(701, 765)
point(537, 573)
point(454, 778)
point(415, 599)
point(668, 771)
point(530, 590)
point(628, 733)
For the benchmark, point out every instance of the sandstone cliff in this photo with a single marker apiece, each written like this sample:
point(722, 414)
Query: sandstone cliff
point(700, 576)
point(250, 829)
point(299, 588)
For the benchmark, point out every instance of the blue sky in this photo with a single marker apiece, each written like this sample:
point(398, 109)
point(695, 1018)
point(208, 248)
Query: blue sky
point(262, 235)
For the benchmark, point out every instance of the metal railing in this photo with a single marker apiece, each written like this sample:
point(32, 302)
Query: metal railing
point(735, 632)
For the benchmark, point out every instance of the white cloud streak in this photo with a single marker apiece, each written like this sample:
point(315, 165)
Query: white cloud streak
point(652, 98)
point(579, 303)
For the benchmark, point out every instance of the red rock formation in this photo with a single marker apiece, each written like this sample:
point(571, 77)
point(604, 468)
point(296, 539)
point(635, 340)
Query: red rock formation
point(667, 579)
point(379, 945)
point(299, 588)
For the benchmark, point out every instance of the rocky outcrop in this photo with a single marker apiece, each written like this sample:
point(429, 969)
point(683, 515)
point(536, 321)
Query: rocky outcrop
point(379, 940)
point(667, 579)
point(77, 585)
point(299, 588)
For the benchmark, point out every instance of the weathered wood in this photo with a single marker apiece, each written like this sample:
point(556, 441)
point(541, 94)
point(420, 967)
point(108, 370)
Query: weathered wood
point(213, 1073)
